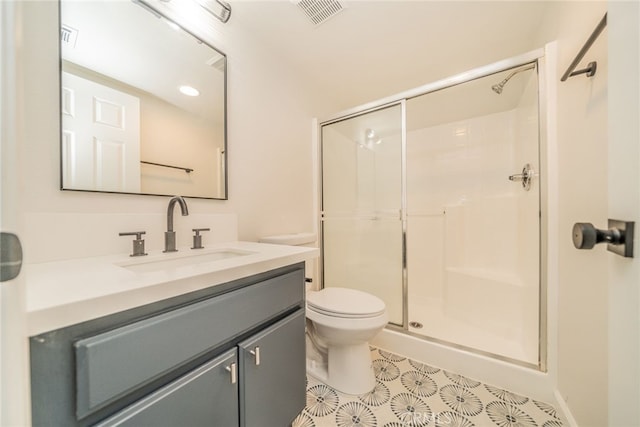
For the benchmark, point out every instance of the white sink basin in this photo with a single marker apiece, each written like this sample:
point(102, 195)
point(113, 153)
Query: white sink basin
point(173, 261)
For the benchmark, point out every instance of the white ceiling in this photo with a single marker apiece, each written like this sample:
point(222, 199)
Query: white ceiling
point(375, 49)
point(370, 50)
point(127, 43)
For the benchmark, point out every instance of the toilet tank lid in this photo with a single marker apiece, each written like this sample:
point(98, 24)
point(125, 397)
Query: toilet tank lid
point(345, 301)
point(290, 239)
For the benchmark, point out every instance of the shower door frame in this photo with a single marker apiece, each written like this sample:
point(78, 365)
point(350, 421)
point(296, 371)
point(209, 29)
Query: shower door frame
point(532, 57)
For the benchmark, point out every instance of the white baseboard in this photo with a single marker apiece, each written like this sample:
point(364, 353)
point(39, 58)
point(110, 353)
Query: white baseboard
point(564, 411)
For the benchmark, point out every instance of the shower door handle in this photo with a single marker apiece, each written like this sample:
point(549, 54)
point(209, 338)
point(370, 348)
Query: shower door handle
point(525, 177)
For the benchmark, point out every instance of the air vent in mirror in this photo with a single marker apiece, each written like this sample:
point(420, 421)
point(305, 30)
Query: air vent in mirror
point(318, 11)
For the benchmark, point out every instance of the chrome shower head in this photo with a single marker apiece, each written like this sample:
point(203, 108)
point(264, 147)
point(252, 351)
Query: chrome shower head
point(497, 88)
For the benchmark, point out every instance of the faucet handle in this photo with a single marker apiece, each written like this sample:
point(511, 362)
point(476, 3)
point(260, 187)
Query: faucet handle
point(138, 242)
point(197, 238)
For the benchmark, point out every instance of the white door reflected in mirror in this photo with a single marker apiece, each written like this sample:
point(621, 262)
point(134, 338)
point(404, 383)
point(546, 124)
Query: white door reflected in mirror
point(100, 137)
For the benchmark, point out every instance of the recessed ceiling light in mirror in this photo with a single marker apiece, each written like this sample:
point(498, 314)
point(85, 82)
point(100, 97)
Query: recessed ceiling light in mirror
point(189, 91)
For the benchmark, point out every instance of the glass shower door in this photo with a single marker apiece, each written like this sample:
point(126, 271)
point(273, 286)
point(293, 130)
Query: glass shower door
point(473, 215)
point(362, 229)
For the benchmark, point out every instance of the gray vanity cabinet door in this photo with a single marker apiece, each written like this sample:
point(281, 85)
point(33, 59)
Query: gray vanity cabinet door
point(205, 396)
point(272, 368)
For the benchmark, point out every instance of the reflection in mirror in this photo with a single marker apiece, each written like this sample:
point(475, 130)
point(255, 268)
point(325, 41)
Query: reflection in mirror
point(142, 103)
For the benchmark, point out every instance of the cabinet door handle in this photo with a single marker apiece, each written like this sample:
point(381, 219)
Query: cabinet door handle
point(256, 354)
point(234, 373)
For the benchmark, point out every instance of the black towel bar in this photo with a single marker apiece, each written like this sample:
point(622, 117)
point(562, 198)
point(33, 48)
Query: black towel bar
point(187, 170)
point(591, 67)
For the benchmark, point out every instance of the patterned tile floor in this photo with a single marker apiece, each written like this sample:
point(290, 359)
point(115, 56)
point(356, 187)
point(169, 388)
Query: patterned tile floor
point(412, 394)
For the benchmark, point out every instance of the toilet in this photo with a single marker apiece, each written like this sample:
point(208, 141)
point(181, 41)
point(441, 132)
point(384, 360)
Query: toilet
point(340, 324)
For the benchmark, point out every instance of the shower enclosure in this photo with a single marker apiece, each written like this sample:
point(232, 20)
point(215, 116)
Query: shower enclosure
point(432, 203)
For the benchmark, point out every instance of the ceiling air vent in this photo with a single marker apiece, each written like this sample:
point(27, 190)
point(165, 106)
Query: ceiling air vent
point(318, 11)
point(68, 35)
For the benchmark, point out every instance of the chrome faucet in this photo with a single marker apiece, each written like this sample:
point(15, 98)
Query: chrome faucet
point(170, 235)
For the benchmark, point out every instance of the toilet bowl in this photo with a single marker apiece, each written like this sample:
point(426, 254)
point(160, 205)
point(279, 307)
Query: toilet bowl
point(341, 322)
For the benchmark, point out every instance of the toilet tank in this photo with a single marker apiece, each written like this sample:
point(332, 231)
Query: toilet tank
point(308, 239)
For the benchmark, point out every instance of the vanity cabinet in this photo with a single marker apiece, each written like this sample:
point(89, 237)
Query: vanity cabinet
point(229, 355)
point(270, 364)
point(202, 397)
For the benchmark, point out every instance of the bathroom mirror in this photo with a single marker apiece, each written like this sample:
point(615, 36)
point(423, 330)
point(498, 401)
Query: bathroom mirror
point(143, 103)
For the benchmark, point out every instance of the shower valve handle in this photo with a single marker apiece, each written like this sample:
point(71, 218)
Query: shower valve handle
point(526, 177)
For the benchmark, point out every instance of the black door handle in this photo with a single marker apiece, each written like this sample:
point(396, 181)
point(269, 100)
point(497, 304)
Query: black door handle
point(10, 256)
point(619, 236)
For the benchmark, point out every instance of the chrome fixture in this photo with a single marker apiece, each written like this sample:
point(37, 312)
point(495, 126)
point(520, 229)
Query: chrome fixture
point(497, 88)
point(525, 177)
point(138, 242)
point(256, 354)
point(148, 8)
point(218, 8)
point(170, 235)
point(233, 372)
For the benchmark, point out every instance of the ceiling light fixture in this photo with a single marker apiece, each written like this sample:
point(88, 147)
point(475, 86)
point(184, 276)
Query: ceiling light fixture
point(218, 8)
point(173, 25)
point(189, 91)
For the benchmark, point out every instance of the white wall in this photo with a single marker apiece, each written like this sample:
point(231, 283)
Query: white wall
point(582, 193)
point(172, 136)
point(269, 150)
point(624, 203)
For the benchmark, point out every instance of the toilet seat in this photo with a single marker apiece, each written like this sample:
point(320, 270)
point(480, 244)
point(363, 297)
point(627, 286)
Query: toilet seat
point(345, 303)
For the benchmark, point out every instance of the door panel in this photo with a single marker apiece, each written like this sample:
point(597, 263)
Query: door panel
point(13, 352)
point(100, 137)
point(273, 372)
point(204, 397)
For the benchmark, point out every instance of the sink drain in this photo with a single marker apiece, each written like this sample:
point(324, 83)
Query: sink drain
point(416, 325)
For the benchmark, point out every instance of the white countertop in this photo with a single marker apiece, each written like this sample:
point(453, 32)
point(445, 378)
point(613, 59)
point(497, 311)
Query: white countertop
point(64, 293)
